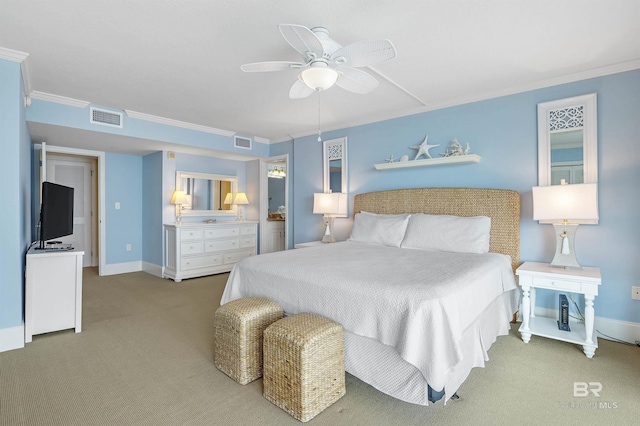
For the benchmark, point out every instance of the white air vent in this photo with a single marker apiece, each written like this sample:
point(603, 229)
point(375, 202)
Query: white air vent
point(240, 142)
point(106, 118)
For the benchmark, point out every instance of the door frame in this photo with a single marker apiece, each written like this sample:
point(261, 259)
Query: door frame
point(100, 158)
point(264, 200)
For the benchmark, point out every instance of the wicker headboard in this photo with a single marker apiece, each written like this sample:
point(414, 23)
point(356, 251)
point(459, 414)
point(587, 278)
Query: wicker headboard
point(501, 205)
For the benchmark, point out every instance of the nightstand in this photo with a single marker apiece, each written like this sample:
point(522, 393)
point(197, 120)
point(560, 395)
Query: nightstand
point(309, 244)
point(541, 275)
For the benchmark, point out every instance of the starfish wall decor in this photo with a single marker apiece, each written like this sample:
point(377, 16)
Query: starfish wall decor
point(423, 148)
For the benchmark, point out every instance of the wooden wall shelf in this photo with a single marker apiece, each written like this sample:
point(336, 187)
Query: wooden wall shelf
point(459, 159)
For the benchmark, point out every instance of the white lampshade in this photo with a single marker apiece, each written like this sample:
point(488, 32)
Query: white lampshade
point(319, 76)
point(565, 202)
point(332, 203)
point(179, 198)
point(240, 198)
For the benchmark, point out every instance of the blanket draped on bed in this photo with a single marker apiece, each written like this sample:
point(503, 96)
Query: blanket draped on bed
point(417, 301)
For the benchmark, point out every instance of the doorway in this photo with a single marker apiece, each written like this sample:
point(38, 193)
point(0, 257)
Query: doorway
point(274, 195)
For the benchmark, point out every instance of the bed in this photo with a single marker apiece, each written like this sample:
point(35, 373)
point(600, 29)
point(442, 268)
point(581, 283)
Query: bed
point(423, 287)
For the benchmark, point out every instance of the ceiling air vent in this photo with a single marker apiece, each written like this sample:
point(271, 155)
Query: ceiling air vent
point(240, 142)
point(106, 118)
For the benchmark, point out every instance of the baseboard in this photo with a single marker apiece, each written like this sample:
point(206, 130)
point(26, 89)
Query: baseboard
point(606, 328)
point(121, 268)
point(11, 338)
point(152, 268)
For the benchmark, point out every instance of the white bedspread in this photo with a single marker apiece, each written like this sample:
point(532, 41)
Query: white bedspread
point(417, 301)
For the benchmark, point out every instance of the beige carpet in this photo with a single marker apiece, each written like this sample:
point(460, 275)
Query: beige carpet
point(144, 357)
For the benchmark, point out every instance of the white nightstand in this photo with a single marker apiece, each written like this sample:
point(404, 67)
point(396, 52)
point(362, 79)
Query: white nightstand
point(309, 244)
point(541, 275)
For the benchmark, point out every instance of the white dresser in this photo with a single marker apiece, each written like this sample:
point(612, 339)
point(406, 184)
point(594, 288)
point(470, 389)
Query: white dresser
point(198, 249)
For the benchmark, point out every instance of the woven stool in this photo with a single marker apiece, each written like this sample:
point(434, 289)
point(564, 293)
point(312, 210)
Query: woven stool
point(238, 336)
point(304, 364)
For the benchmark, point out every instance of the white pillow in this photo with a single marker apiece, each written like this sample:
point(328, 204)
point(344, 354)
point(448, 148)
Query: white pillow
point(448, 233)
point(383, 229)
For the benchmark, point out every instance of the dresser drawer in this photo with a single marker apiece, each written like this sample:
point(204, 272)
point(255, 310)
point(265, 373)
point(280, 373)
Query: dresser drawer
point(200, 262)
point(236, 257)
point(221, 232)
point(210, 246)
point(191, 247)
point(192, 233)
point(557, 284)
point(247, 241)
point(247, 229)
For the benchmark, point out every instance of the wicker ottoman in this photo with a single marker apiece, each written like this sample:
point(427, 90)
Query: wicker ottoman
point(304, 364)
point(238, 336)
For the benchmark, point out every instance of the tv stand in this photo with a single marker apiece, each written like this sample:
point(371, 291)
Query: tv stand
point(53, 291)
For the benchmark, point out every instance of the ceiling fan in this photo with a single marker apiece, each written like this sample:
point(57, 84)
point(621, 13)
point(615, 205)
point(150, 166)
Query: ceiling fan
point(325, 62)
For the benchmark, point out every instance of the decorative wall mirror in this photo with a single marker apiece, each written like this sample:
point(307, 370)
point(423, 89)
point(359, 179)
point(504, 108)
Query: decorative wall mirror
point(207, 193)
point(334, 162)
point(568, 141)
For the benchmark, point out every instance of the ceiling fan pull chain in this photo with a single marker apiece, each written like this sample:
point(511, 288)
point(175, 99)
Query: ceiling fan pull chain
point(319, 134)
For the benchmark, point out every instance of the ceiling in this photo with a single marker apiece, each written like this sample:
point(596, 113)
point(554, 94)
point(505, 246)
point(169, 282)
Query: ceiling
point(181, 60)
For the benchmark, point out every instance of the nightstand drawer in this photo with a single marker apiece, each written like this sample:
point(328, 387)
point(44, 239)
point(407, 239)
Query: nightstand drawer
point(555, 284)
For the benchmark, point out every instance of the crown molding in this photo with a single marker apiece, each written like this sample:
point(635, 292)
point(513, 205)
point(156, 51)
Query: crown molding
point(20, 57)
point(59, 99)
point(261, 140)
point(177, 123)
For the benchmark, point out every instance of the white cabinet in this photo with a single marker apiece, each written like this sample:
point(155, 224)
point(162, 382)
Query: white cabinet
point(198, 249)
point(53, 292)
point(275, 235)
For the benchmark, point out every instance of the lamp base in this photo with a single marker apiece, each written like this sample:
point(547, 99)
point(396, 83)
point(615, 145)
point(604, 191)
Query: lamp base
point(565, 250)
point(328, 231)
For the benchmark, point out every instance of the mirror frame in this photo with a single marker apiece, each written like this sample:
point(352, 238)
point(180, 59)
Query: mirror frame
point(589, 138)
point(335, 149)
point(234, 188)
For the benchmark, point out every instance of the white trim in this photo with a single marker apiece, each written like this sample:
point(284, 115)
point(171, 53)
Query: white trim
point(152, 268)
point(177, 123)
point(11, 338)
point(122, 268)
point(100, 156)
point(258, 139)
point(59, 99)
point(617, 329)
point(556, 81)
point(21, 57)
point(264, 200)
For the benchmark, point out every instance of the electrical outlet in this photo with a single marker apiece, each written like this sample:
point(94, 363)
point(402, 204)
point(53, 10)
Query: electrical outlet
point(635, 292)
point(128, 247)
point(117, 205)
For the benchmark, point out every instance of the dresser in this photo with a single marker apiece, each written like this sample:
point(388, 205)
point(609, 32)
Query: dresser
point(199, 249)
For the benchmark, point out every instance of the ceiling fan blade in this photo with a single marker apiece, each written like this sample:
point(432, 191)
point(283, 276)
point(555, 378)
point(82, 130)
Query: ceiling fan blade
point(300, 90)
point(270, 66)
point(364, 53)
point(356, 81)
point(302, 39)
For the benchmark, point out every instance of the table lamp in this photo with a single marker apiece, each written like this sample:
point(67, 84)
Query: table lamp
point(329, 204)
point(179, 198)
point(568, 203)
point(239, 200)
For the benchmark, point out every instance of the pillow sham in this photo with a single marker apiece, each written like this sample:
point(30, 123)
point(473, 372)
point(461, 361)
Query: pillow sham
point(382, 229)
point(448, 233)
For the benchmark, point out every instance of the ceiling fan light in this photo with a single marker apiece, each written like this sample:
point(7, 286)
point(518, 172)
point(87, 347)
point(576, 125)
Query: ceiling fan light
point(319, 78)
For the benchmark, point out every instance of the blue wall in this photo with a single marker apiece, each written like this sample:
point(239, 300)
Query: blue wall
point(15, 218)
point(123, 184)
point(503, 131)
point(152, 208)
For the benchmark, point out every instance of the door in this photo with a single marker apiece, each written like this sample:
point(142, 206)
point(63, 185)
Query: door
point(77, 172)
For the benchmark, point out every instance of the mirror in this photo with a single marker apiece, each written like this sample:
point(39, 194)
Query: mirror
point(206, 193)
point(335, 165)
point(568, 141)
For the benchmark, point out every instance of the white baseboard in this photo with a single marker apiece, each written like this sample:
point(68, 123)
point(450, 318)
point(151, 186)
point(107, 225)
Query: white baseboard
point(11, 338)
point(152, 268)
point(613, 329)
point(121, 268)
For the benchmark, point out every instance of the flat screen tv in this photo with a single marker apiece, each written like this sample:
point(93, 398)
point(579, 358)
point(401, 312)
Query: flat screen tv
point(56, 212)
